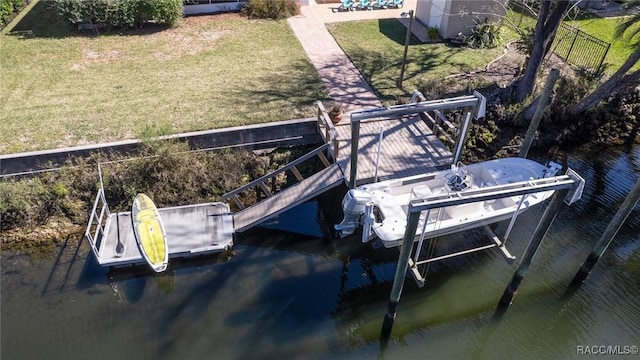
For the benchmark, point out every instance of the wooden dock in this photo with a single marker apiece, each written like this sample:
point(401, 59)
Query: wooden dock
point(408, 147)
point(191, 230)
point(380, 144)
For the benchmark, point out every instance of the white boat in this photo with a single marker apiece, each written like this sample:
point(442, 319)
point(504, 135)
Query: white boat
point(381, 208)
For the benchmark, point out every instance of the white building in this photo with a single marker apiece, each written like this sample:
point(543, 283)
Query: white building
point(458, 16)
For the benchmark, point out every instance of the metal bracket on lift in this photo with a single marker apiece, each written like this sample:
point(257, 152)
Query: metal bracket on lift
point(500, 244)
point(413, 270)
point(575, 193)
point(497, 243)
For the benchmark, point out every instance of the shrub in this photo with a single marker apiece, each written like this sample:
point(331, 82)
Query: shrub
point(435, 88)
point(433, 32)
point(524, 44)
point(167, 12)
point(485, 35)
point(23, 203)
point(120, 13)
point(7, 8)
point(270, 9)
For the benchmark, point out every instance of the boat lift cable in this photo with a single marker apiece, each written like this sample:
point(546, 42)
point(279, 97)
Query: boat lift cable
point(432, 249)
point(424, 231)
point(513, 219)
point(432, 245)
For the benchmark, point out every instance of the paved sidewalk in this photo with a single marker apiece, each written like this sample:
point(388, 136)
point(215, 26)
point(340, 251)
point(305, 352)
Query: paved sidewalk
point(342, 79)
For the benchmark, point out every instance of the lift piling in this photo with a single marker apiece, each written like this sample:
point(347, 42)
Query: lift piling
point(536, 240)
point(607, 237)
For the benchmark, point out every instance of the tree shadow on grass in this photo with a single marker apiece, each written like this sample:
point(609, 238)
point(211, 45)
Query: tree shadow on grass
point(394, 30)
point(299, 88)
point(44, 21)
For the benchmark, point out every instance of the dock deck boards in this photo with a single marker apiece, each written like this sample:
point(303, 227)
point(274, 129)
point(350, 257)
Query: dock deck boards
point(288, 198)
point(408, 148)
point(190, 229)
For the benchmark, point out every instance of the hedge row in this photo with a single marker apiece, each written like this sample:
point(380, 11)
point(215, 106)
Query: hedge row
point(120, 13)
point(7, 8)
point(270, 9)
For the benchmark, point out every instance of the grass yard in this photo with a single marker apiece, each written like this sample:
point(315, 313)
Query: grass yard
point(601, 28)
point(60, 88)
point(605, 29)
point(376, 48)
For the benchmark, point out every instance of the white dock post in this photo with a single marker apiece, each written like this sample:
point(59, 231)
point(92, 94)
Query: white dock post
point(462, 139)
point(355, 135)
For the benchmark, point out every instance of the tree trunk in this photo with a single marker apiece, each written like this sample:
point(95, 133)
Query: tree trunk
point(617, 81)
point(543, 35)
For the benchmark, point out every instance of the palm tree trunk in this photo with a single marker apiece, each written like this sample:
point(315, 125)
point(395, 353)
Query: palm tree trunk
point(616, 82)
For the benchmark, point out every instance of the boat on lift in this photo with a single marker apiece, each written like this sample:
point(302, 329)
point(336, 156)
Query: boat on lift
point(381, 208)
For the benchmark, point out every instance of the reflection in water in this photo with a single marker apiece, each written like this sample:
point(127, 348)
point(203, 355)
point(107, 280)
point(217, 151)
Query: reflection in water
point(281, 294)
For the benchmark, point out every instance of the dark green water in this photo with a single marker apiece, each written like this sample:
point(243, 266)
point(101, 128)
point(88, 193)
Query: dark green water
point(288, 296)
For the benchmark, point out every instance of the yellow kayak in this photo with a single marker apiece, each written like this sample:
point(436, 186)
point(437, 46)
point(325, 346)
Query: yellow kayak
point(149, 232)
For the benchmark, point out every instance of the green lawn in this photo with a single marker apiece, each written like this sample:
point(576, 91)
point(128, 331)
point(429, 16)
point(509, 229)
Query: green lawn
point(605, 29)
point(62, 89)
point(376, 48)
point(601, 28)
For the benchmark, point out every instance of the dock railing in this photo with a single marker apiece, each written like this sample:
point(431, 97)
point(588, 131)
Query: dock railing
point(439, 124)
point(328, 130)
point(95, 232)
point(261, 183)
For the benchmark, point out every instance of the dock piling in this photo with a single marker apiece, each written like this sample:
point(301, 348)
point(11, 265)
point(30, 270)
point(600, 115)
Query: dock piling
point(401, 272)
point(607, 237)
point(536, 239)
point(554, 74)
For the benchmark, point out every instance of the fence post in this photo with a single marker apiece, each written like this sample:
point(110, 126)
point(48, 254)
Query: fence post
point(575, 36)
point(602, 59)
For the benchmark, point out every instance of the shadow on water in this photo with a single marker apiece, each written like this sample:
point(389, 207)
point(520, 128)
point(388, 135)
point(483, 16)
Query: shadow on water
point(284, 294)
point(74, 268)
point(365, 280)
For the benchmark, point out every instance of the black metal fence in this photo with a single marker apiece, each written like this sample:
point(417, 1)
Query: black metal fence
point(580, 49)
point(573, 45)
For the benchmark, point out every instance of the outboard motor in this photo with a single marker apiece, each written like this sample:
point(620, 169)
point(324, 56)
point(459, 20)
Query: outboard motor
point(353, 206)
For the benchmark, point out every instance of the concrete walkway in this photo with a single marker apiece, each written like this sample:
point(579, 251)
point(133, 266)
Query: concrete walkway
point(342, 79)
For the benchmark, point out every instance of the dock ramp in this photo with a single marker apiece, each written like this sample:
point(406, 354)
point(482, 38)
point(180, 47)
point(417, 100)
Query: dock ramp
point(276, 203)
point(288, 198)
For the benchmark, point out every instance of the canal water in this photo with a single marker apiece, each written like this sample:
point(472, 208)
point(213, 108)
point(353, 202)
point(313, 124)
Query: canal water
point(283, 295)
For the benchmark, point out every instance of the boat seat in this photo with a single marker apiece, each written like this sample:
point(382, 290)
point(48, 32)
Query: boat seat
point(498, 176)
point(509, 201)
point(421, 191)
point(464, 210)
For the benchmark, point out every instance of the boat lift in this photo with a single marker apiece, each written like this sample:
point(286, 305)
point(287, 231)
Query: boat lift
point(434, 202)
point(567, 188)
